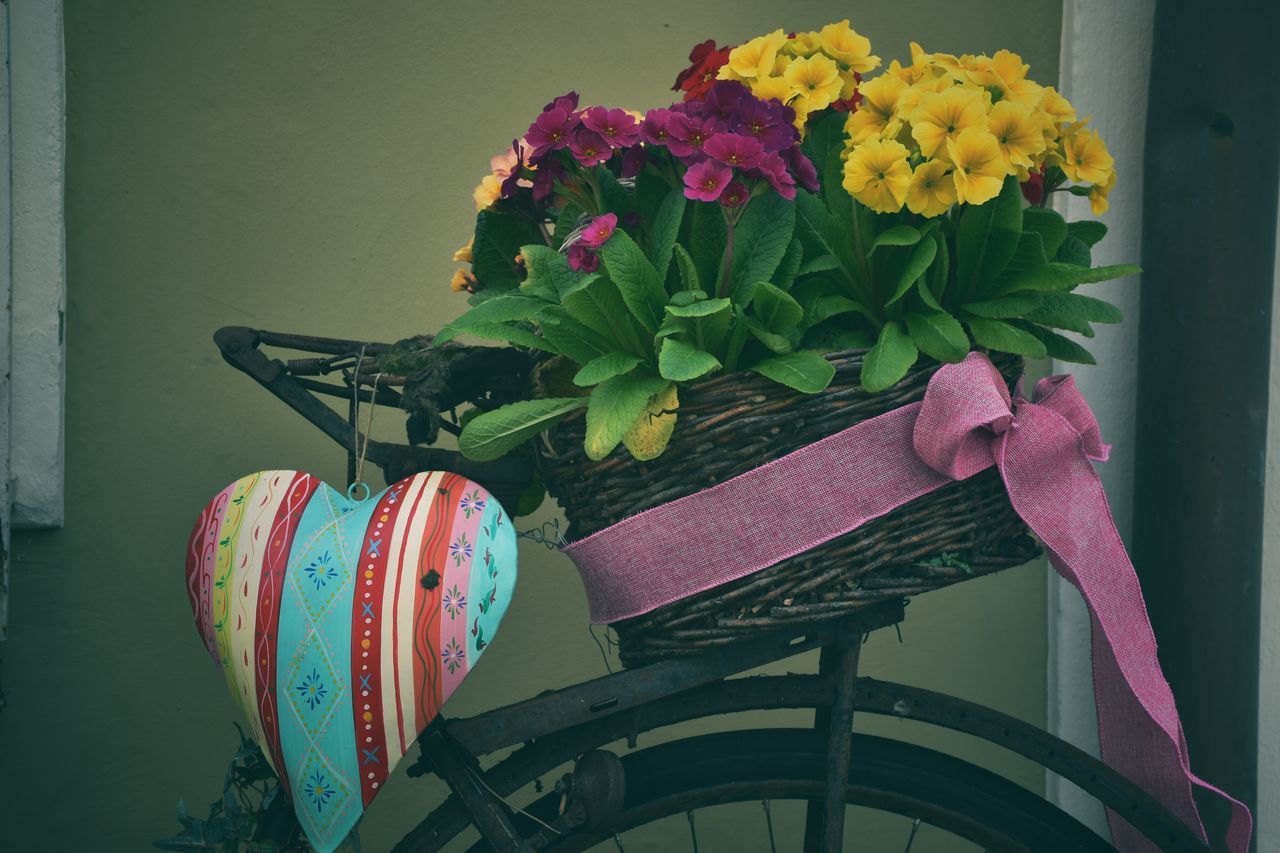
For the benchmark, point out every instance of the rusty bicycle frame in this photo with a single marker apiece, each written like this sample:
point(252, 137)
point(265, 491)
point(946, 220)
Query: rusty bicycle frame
point(563, 725)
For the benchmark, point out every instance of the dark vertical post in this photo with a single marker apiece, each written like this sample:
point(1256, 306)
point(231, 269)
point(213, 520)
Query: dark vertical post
point(1209, 229)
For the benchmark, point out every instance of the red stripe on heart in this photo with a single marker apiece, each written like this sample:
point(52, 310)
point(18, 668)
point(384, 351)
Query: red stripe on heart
point(270, 588)
point(366, 644)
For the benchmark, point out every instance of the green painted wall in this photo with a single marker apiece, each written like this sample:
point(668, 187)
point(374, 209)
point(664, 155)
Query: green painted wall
point(308, 167)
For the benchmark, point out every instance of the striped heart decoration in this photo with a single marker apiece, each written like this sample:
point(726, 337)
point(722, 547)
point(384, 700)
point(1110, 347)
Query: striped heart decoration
point(342, 626)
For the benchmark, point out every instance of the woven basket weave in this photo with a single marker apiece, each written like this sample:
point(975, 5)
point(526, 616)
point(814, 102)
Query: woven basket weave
point(733, 423)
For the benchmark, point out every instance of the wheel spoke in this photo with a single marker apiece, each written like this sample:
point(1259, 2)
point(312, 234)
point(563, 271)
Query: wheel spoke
point(915, 827)
point(693, 831)
point(617, 839)
point(768, 819)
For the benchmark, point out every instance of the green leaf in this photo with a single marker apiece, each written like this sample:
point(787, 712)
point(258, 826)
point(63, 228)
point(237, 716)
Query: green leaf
point(790, 266)
point(824, 137)
point(496, 332)
point(649, 435)
point(600, 307)
point(926, 292)
point(566, 223)
point(497, 241)
point(701, 308)
point(921, 257)
point(706, 242)
point(574, 340)
point(822, 234)
point(898, 235)
point(736, 339)
point(776, 309)
point(986, 239)
point(1061, 348)
point(1074, 251)
point(889, 360)
point(549, 275)
point(822, 263)
point(1056, 276)
point(1005, 337)
point(825, 307)
point(1005, 306)
point(704, 323)
point(940, 272)
point(637, 280)
point(664, 229)
point(806, 371)
point(831, 337)
point(688, 272)
point(938, 335)
point(1049, 224)
point(772, 341)
point(1029, 255)
point(506, 308)
point(493, 434)
point(615, 405)
point(1074, 312)
point(1087, 231)
point(605, 367)
point(680, 362)
point(761, 239)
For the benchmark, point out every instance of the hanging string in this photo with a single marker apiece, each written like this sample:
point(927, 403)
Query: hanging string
point(362, 450)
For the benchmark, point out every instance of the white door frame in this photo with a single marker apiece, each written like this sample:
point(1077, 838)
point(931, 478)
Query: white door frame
point(1105, 65)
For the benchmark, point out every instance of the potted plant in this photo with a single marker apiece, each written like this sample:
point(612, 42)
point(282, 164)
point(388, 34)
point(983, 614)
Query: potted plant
point(794, 246)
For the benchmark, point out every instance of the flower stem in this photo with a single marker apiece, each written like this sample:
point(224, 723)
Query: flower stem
point(868, 281)
point(727, 263)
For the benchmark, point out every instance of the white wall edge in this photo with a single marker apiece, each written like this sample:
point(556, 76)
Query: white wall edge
point(38, 261)
point(1104, 72)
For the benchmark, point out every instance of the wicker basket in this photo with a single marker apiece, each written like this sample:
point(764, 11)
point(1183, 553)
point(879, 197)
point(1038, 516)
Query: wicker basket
point(733, 423)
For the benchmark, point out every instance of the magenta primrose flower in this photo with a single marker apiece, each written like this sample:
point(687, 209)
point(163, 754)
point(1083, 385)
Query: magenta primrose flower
point(618, 127)
point(774, 170)
point(582, 259)
point(742, 152)
point(599, 230)
point(735, 195)
point(655, 129)
point(551, 131)
point(706, 181)
point(589, 148)
point(689, 134)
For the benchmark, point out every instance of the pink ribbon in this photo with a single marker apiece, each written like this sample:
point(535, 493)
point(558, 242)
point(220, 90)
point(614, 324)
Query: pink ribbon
point(1044, 449)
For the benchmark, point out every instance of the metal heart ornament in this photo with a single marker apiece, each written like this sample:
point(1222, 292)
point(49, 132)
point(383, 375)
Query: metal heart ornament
point(342, 626)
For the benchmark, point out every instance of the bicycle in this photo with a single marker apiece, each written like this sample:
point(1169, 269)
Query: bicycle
point(825, 766)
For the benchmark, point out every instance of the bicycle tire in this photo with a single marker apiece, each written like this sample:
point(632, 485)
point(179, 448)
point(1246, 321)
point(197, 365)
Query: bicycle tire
point(789, 764)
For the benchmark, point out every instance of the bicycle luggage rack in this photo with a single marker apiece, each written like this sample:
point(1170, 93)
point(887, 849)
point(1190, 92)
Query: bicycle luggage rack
point(576, 721)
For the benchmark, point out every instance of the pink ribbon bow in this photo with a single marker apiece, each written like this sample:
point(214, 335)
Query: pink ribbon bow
point(1044, 449)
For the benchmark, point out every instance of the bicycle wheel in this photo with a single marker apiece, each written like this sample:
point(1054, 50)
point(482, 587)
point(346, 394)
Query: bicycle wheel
point(788, 764)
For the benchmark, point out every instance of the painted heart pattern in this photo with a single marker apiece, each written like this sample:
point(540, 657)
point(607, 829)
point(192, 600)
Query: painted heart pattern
point(342, 626)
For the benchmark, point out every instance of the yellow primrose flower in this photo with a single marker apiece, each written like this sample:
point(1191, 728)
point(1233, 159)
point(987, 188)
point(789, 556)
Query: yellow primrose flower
point(1055, 106)
point(932, 190)
point(879, 106)
point(463, 255)
point(1021, 137)
point(1009, 74)
point(942, 116)
point(804, 44)
point(489, 191)
point(755, 58)
point(916, 71)
point(462, 280)
point(777, 87)
point(816, 79)
point(877, 174)
point(1098, 193)
point(843, 44)
point(979, 166)
point(1085, 159)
